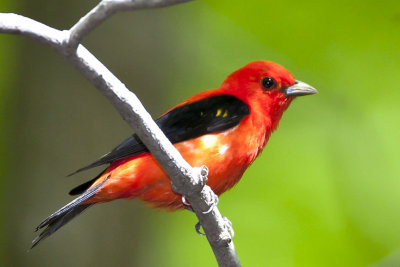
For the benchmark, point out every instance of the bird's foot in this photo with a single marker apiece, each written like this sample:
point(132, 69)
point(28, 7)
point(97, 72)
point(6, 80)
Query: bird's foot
point(197, 227)
point(227, 225)
point(185, 202)
point(214, 200)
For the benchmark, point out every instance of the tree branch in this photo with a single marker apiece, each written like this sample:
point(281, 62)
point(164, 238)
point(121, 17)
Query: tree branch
point(106, 9)
point(185, 180)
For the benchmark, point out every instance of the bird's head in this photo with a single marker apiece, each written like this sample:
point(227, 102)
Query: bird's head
point(267, 87)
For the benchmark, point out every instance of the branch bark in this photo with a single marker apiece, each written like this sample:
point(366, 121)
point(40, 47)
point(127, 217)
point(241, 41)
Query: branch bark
point(185, 180)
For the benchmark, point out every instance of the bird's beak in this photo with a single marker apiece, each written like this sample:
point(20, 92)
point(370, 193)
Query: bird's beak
point(299, 89)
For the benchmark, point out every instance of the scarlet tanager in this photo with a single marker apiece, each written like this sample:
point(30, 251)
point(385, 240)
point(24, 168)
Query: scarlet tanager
point(224, 129)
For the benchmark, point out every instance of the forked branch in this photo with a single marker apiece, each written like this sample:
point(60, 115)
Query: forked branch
point(185, 180)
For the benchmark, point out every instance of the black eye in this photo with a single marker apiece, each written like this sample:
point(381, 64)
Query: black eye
point(268, 83)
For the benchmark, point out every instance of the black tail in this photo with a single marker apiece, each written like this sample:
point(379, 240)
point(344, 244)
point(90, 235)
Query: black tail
point(62, 216)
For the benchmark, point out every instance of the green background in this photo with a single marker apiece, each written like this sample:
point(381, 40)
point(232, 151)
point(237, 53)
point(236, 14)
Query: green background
point(325, 191)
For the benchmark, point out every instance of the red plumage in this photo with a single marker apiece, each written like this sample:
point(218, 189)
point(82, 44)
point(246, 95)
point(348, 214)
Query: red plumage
point(262, 91)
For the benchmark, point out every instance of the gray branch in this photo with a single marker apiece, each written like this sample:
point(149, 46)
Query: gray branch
point(106, 9)
point(185, 180)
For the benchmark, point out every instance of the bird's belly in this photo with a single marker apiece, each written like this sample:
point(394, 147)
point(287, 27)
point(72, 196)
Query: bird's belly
point(142, 176)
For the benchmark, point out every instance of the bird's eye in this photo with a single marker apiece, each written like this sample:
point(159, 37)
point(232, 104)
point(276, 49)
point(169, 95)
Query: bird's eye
point(268, 83)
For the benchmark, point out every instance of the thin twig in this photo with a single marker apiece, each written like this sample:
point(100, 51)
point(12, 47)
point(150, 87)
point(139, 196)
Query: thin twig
point(106, 9)
point(185, 180)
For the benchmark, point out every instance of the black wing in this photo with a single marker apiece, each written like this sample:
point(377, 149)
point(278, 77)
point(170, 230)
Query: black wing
point(210, 115)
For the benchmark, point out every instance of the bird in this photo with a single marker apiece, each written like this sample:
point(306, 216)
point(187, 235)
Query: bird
point(224, 129)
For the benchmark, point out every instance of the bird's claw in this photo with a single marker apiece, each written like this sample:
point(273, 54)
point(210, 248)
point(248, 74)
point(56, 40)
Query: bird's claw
point(197, 227)
point(214, 200)
point(184, 201)
point(213, 203)
point(228, 226)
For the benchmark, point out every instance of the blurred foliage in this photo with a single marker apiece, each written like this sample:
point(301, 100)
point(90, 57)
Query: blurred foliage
point(325, 192)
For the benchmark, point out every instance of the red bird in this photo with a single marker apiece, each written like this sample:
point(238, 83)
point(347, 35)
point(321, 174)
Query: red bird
point(224, 129)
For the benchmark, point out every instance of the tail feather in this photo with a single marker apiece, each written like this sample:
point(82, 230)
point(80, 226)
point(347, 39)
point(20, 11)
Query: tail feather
point(62, 216)
point(57, 223)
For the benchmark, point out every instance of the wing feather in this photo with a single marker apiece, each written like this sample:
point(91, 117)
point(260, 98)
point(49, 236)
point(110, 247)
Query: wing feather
point(210, 115)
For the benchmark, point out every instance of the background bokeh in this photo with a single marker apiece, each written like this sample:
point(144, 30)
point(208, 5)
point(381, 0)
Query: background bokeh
point(325, 191)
